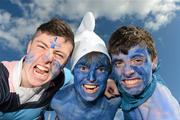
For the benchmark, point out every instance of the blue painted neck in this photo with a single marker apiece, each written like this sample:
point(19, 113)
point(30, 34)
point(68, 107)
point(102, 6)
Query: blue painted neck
point(130, 102)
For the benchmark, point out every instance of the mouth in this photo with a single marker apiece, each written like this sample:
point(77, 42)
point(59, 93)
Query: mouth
point(90, 88)
point(129, 83)
point(41, 72)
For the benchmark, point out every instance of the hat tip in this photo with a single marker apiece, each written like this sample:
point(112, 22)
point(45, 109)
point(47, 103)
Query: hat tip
point(88, 23)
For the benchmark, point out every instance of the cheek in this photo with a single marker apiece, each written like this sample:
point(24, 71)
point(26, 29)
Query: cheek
point(139, 70)
point(102, 77)
point(30, 58)
point(78, 76)
point(56, 68)
point(116, 74)
point(144, 72)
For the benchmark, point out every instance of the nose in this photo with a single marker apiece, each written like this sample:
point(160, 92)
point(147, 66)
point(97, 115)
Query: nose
point(48, 56)
point(128, 70)
point(91, 76)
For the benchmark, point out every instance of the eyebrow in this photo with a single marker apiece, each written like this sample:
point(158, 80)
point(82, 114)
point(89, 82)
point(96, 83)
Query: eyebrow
point(116, 59)
point(42, 43)
point(137, 55)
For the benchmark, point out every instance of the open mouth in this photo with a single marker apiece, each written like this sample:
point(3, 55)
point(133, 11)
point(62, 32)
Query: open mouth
point(41, 72)
point(90, 88)
point(129, 83)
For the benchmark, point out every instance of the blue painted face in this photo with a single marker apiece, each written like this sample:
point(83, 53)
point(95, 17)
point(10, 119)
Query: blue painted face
point(90, 76)
point(134, 70)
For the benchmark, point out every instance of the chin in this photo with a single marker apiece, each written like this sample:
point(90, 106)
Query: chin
point(134, 90)
point(37, 84)
point(89, 97)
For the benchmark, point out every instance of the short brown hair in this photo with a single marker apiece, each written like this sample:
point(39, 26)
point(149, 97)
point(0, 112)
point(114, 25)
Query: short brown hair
point(126, 37)
point(57, 27)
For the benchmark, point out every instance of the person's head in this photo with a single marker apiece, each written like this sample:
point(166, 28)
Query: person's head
point(134, 58)
point(90, 62)
point(90, 75)
point(47, 53)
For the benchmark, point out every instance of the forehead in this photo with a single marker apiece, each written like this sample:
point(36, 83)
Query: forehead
point(137, 50)
point(51, 40)
point(95, 59)
point(45, 37)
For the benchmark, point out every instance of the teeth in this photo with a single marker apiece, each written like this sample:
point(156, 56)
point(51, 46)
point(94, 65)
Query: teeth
point(40, 73)
point(42, 68)
point(131, 82)
point(90, 86)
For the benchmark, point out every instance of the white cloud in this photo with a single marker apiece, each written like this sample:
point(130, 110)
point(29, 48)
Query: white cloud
point(154, 13)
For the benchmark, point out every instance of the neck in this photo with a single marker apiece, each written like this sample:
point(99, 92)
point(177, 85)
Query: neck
point(23, 80)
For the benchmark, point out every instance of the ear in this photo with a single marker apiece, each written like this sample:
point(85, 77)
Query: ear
point(154, 63)
point(29, 46)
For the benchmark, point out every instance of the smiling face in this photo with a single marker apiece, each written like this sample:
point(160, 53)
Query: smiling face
point(46, 55)
point(133, 70)
point(90, 76)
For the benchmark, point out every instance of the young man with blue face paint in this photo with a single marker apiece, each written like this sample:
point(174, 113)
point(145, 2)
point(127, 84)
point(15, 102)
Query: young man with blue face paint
point(90, 65)
point(134, 62)
point(28, 85)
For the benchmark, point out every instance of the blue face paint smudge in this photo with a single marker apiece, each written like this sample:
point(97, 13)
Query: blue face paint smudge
point(54, 42)
point(56, 68)
point(29, 58)
point(46, 56)
point(130, 70)
point(90, 77)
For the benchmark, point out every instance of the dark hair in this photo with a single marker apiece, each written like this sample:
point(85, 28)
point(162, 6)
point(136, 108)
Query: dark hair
point(127, 37)
point(57, 27)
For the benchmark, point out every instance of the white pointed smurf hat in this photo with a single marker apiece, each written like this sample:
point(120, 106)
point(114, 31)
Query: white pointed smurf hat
point(86, 40)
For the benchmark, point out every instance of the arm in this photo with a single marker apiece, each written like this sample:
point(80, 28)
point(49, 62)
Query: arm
point(8, 100)
point(111, 89)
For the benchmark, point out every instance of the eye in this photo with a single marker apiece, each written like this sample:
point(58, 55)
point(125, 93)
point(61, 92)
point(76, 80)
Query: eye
point(101, 69)
point(59, 56)
point(137, 61)
point(84, 68)
point(119, 64)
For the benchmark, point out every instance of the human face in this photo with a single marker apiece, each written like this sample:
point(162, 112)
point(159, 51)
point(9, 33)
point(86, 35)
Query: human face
point(134, 70)
point(90, 77)
point(46, 55)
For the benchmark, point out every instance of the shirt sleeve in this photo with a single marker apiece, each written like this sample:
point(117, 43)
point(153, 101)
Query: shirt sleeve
point(8, 101)
point(69, 78)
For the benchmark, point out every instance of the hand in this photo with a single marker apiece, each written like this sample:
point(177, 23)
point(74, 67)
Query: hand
point(111, 89)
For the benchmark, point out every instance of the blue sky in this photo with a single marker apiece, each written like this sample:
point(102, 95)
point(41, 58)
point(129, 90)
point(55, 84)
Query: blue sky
point(19, 19)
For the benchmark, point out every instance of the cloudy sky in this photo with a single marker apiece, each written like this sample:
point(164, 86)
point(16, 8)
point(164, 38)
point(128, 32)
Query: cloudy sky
point(20, 18)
